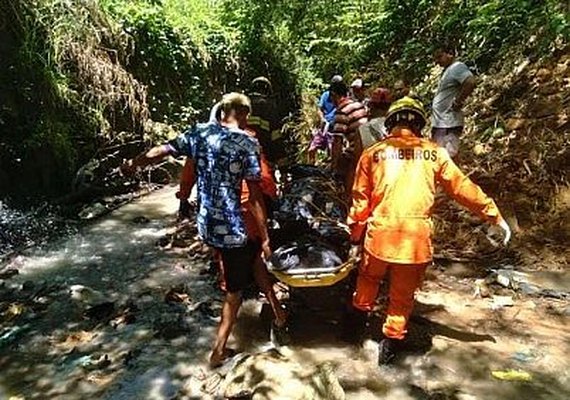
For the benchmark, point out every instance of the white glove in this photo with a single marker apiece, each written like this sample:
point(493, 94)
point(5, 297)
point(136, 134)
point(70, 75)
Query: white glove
point(355, 252)
point(505, 227)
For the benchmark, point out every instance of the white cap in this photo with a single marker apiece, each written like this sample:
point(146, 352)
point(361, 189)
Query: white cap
point(357, 83)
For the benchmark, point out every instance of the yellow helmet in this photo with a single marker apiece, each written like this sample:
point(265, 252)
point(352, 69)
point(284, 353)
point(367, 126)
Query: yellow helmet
point(406, 109)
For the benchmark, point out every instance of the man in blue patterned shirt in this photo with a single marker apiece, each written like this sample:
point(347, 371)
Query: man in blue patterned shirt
point(224, 156)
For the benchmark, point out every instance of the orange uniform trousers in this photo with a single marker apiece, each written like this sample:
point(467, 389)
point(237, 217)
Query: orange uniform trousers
point(405, 279)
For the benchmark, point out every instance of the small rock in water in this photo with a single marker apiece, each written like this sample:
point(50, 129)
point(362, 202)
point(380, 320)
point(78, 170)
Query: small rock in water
point(141, 220)
point(85, 294)
point(91, 363)
point(9, 273)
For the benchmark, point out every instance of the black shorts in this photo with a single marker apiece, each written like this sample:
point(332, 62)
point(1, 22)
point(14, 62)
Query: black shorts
point(236, 266)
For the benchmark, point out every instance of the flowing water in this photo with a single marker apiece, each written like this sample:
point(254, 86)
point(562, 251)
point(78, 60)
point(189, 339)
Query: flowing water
point(133, 345)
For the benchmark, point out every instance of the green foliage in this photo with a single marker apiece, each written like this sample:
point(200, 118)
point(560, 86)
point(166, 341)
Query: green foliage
point(79, 71)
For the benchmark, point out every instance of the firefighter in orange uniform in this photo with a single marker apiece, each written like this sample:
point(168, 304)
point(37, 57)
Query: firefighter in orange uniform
point(392, 200)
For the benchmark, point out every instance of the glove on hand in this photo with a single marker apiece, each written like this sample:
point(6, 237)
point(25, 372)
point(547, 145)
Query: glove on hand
point(495, 237)
point(506, 228)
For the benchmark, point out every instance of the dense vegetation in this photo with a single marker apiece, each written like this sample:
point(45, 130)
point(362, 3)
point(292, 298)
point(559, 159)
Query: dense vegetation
point(81, 79)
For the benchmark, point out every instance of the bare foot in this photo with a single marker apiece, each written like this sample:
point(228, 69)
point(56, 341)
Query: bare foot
point(217, 358)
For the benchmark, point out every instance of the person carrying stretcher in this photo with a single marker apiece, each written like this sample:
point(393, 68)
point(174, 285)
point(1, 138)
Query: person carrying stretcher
point(392, 201)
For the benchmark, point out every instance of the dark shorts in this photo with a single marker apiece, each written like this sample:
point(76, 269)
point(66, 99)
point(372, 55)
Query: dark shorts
point(236, 266)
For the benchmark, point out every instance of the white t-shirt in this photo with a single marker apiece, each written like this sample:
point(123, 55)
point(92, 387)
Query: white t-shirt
point(449, 86)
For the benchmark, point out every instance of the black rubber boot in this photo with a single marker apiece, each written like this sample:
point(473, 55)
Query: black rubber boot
point(388, 349)
point(280, 335)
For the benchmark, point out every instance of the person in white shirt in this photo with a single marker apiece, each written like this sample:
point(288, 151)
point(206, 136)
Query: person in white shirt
point(374, 130)
point(455, 85)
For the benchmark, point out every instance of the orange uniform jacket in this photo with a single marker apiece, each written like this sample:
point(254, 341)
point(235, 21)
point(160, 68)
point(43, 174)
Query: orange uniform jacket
point(268, 188)
point(393, 197)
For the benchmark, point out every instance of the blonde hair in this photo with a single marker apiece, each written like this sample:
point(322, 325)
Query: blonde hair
point(235, 102)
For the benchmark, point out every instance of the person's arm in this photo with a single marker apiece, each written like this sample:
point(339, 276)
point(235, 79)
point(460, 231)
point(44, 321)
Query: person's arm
point(468, 82)
point(143, 160)
point(361, 200)
point(336, 151)
point(258, 211)
point(215, 113)
point(465, 192)
point(187, 180)
point(252, 177)
point(466, 89)
point(177, 147)
point(267, 184)
point(358, 146)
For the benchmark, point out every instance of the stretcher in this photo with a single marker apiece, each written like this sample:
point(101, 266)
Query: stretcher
point(314, 277)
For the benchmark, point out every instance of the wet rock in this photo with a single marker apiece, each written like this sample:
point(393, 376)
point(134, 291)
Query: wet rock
point(126, 316)
point(85, 294)
point(164, 241)
point(9, 273)
point(177, 294)
point(93, 211)
point(100, 312)
point(131, 356)
point(13, 311)
point(28, 286)
point(205, 308)
point(141, 220)
point(277, 377)
point(92, 362)
point(10, 335)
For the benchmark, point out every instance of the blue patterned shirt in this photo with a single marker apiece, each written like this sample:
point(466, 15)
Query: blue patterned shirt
point(223, 158)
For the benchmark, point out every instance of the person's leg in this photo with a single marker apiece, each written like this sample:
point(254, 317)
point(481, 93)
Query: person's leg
point(263, 280)
point(235, 276)
point(183, 194)
point(311, 155)
point(370, 273)
point(405, 279)
point(230, 310)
